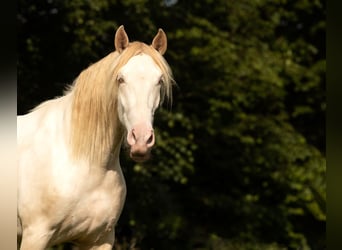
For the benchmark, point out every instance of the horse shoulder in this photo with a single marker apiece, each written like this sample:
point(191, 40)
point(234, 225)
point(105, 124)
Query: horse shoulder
point(39, 148)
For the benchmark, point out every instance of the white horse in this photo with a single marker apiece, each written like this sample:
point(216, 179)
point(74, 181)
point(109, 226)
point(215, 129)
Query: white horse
point(70, 184)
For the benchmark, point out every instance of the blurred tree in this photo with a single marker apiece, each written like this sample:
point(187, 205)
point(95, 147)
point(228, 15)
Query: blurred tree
point(240, 157)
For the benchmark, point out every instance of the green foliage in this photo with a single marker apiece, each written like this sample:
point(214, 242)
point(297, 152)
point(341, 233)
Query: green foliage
point(240, 157)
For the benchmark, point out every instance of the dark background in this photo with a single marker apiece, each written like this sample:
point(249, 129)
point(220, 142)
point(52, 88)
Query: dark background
point(240, 157)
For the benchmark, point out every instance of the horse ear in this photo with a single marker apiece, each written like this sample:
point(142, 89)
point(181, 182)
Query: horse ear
point(160, 42)
point(121, 39)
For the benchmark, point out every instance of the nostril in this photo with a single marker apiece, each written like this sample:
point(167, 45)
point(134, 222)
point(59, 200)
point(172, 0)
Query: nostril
point(150, 140)
point(133, 135)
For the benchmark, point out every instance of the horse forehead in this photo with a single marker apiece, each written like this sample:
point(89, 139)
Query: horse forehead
point(141, 64)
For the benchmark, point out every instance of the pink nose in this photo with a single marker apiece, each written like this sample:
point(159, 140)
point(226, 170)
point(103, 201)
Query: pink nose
point(141, 139)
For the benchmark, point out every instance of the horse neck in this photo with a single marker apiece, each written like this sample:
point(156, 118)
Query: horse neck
point(96, 133)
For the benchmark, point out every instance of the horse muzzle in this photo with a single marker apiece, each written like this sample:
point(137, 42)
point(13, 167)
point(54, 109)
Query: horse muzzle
point(141, 140)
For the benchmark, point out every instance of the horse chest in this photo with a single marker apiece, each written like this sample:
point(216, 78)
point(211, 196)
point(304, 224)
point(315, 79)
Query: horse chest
point(96, 210)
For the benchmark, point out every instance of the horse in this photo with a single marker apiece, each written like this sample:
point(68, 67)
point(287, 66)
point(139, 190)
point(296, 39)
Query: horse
point(71, 188)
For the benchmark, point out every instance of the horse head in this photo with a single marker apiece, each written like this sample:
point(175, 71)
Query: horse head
point(141, 81)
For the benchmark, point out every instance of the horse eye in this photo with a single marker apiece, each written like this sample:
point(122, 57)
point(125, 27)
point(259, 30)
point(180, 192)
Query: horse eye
point(161, 81)
point(121, 80)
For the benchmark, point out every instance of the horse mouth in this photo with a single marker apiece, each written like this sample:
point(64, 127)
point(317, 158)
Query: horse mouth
point(140, 157)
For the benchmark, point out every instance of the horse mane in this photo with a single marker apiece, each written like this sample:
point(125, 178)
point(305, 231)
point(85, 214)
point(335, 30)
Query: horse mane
point(95, 129)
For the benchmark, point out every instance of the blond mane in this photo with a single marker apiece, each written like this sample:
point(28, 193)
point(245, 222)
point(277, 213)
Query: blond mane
point(95, 127)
